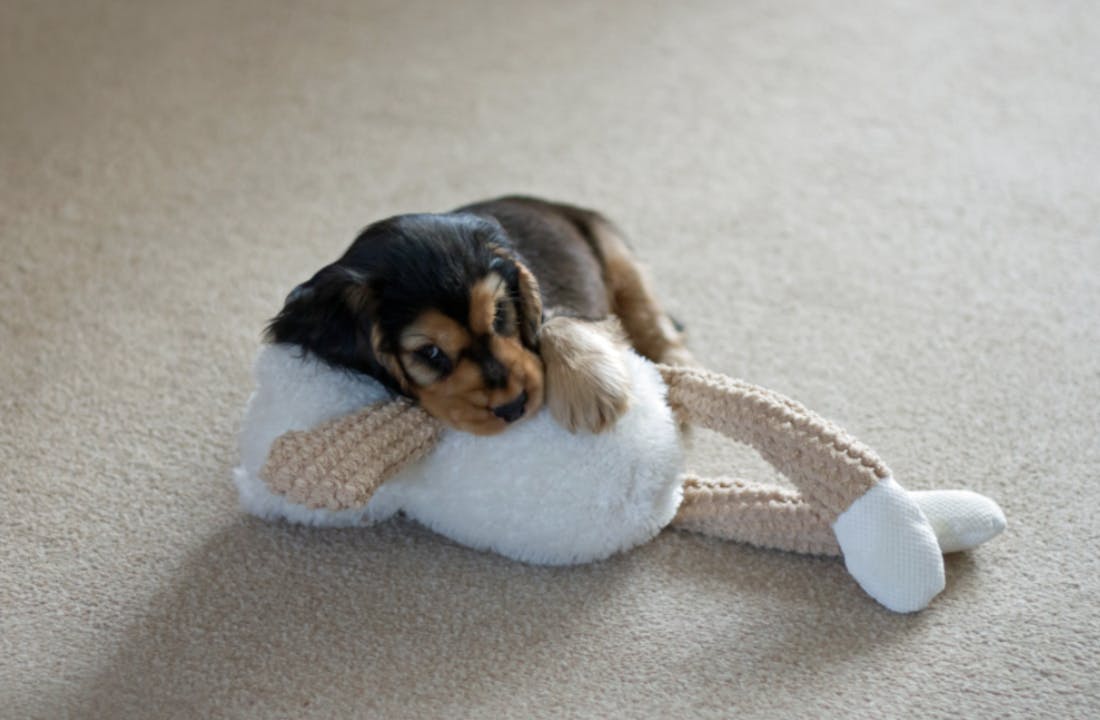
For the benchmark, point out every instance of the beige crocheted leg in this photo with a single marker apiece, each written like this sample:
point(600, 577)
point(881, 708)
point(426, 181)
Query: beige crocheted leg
point(829, 467)
point(888, 545)
point(765, 516)
point(339, 464)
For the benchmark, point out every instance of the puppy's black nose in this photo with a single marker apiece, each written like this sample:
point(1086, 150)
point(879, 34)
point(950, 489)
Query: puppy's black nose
point(510, 412)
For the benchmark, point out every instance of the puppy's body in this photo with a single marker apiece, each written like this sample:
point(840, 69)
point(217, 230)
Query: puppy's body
point(456, 310)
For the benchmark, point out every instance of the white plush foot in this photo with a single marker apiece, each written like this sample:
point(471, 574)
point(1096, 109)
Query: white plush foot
point(890, 548)
point(961, 519)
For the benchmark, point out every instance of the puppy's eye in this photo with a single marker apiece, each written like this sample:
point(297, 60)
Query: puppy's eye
point(504, 321)
point(434, 358)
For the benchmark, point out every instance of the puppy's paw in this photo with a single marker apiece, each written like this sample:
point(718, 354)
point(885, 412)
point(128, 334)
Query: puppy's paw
point(673, 343)
point(587, 381)
point(593, 403)
point(678, 355)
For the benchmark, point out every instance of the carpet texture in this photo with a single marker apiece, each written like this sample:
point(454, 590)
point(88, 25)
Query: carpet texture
point(887, 210)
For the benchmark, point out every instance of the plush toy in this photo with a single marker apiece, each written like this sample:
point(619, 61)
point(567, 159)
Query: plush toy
point(330, 448)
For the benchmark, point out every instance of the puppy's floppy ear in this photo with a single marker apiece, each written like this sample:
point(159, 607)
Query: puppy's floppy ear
point(330, 315)
point(530, 306)
point(528, 295)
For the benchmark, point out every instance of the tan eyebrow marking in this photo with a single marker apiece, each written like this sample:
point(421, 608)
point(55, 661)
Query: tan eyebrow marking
point(437, 329)
point(483, 302)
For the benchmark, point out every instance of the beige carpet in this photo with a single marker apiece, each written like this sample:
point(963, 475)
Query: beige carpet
point(890, 211)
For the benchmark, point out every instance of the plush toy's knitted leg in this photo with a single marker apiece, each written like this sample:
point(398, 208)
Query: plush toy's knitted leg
point(781, 519)
point(765, 516)
point(339, 464)
point(828, 466)
point(889, 546)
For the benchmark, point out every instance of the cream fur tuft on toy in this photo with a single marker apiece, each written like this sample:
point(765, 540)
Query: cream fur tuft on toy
point(326, 447)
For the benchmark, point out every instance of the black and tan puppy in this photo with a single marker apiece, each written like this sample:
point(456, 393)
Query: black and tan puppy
point(482, 313)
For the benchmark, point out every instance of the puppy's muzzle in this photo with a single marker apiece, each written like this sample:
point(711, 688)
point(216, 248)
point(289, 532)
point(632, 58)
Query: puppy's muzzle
point(510, 412)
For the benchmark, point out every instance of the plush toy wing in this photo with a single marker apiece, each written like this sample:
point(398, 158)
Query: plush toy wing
point(340, 463)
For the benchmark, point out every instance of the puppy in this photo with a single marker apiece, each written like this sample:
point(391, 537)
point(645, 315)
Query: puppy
point(481, 314)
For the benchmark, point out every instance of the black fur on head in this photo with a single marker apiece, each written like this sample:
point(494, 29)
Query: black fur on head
point(396, 269)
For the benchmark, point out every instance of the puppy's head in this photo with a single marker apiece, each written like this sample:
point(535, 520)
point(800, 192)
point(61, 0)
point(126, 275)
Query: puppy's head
point(436, 307)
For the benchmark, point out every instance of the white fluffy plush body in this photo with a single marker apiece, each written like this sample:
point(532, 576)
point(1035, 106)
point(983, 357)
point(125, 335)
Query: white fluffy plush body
point(536, 493)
